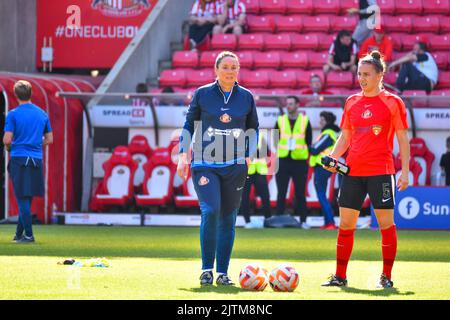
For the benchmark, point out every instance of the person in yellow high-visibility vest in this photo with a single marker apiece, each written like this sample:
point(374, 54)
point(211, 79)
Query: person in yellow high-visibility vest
point(257, 176)
point(292, 152)
point(321, 147)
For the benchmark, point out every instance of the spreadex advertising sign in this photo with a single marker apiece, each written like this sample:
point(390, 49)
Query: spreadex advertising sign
point(88, 33)
point(422, 208)
point(174, 117)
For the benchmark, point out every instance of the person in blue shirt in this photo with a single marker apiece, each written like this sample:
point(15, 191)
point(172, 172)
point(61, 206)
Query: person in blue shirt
point(223, 116)
point(27, 128)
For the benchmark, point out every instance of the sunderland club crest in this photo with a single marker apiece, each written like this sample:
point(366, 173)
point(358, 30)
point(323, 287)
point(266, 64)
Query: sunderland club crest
point(121, 8)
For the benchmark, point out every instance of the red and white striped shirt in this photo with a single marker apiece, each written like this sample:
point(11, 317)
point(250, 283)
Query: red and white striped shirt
point(234, 11)
point(211, 9)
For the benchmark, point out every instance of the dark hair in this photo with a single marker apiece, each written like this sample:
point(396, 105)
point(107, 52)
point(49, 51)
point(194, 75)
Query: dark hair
point(448, 142)
point(23, 90)
point(167, 90)
point(329, 117)
point(296, 99)
point(343, 33)
point(374, 58)
point(314, 75)
point(141, 88)
point(224, 54)
point(422, 45)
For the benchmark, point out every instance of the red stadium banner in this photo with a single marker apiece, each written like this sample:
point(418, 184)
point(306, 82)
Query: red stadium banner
point(87, 33)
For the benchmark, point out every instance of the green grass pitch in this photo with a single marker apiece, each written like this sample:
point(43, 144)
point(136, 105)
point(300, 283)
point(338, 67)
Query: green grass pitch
point(164, 263)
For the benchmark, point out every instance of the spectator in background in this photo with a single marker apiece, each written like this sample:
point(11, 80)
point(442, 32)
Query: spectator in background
point(366, 22)
point(204, 16)
point(445, 163)
point(292, 151)
point(342, 54)
point(315, 86)
point(316, 89)
point(323, 146)
point(257, 175)
point(141, 101)
point(232, 18)
point(380, 42)
point(418, 70)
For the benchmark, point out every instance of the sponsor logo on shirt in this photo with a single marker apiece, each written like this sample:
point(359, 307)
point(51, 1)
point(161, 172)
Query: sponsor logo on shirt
point(366, 114)
point(376, 129)
point(203, 181)
point(225, 118)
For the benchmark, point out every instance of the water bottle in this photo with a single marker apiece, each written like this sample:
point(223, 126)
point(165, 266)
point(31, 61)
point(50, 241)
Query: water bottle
point(339, 166)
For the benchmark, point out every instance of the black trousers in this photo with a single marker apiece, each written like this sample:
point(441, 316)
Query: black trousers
point(199, 33)
point(298, 171)
point(262, 190)
point(410, 78)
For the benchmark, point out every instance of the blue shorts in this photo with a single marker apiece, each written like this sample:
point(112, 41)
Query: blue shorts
point(27, 176)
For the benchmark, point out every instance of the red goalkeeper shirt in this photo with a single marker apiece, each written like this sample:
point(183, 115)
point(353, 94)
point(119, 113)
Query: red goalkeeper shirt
point(373, 122)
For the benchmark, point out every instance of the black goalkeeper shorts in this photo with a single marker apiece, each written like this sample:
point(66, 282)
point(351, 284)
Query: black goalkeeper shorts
point(381, 190)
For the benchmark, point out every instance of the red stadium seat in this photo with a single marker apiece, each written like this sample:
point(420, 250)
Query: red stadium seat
point(340, 79)
point(304, 75)
point(283, 79)
point(272, 6)
point(324, 40)
point(141, 152)
point(443, 80)
point(304, 41)
point(425, 158)
point(116, 188)
point(316, 23)
point(436, 7)
point(409, 40)
point(440, 42)
point(208, 58)
point(254, 79)
point(347, 4)
point(172, 78)
point(338, 23)
point(442, 100)
point(397, 40)
point(408, 6)
point(300, 6)
point(251, 6)
point(195, 78)
point(223, 42)
point(390, 78)
point(425, 24)
point(295, 59)
point(397, 24)
point(326, 6)
point(418, 98)
point(277, 41)
point(158, 180)
point(189, 197)
point(415, 170)
point(268, 59)
point(441, 59)
point(261, 23)
point(317, 59)
point(245, 59)
point(292, 23)
point(251, 42)
point(387, 7)
point(444, 24)
point(182, 59)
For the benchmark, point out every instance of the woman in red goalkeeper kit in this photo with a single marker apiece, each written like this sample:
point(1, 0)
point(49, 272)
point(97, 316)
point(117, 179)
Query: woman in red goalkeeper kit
point(369, 123)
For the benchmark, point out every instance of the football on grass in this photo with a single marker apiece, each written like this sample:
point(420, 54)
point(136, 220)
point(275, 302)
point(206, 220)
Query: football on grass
point(284, 278)
point(254, 277)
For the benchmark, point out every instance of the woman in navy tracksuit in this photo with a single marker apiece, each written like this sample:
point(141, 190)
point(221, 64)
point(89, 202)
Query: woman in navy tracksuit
point(226, 130)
